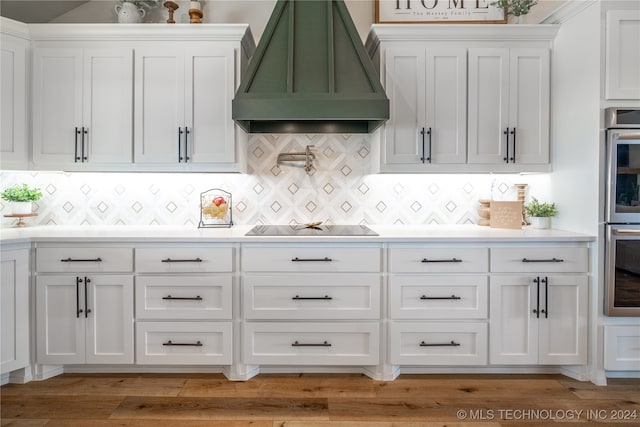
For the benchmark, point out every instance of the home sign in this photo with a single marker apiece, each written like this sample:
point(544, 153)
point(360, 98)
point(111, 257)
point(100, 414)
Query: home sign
point(438, 11)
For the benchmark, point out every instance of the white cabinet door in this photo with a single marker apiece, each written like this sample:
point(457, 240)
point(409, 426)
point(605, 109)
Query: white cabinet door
point(14, 310)
point(563, 328)
point(509, 105)
point(622, 66)
point(57, 105)
point(427, 89)
point(159, 104)
point(13, 94)
point(82, 103)
point(109, 317)
point(107, 105)
point(209, 92)
point(513, 331)
point(60, 324)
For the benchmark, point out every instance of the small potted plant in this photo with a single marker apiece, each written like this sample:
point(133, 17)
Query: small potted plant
point(21, 198)
point(517, 8)
point(540, 213)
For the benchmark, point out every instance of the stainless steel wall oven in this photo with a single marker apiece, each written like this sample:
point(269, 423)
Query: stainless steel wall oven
point(622, 216)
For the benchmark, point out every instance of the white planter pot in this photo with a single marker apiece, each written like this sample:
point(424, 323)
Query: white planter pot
point(542, 223)
point(21, 208)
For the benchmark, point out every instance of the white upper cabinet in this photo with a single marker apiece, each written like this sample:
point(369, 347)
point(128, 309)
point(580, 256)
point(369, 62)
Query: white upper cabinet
point(622, 66)
point(13, 108)
point(183, 105)
point(427, 89)
point(82, 106)
point(464, 98)
point(509, 105)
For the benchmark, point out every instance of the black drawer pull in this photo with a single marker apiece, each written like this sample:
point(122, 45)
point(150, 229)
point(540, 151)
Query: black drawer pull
point(323, 344)
point(81, 260)
point(446, 344)
point(182, 260)
point(451, 297)
point(325, 259)
point(326, 297)
point(184, 344)
point(543, 260)
point(441, 260)
point(196, 298)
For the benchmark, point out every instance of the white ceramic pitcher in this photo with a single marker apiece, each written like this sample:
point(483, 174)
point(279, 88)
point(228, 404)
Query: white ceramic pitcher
point(128, 13)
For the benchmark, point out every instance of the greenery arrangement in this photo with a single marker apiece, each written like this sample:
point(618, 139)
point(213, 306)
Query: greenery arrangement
point(147, 4)
point(515, 7)
point(537, 209)
point(22, 193)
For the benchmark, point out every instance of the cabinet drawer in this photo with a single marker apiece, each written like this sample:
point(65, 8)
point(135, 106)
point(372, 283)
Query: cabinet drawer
point(185, 343)
point(183, 297)
point(184, 260)
point(438, 260)
point(307, 296)
point(311, 259)
point(622, 348)
point(540, 260)
point(311, 343)
point(81, 259)
point(438, 297)
point(434, 343)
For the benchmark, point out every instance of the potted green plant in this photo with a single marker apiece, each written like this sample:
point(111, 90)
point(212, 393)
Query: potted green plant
point(517, 8)
point(21, 198)
point(540, 213)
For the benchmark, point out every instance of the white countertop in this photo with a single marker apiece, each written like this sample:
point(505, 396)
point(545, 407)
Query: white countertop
point(387, 233)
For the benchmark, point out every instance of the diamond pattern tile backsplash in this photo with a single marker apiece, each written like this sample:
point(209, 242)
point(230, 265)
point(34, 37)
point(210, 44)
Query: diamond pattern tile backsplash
point(341, 189)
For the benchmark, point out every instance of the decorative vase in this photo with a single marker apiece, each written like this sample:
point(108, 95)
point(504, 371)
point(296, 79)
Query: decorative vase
point(541, 223)
point(128, 13)
point(21, 208)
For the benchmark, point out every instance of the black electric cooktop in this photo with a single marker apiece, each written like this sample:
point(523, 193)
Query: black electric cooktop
point(318, 230)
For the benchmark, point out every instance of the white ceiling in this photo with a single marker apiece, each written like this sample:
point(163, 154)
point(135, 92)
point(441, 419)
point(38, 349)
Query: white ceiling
point(36, 11)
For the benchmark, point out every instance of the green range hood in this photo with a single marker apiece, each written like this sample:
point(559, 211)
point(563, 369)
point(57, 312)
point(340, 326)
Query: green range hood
point(310, 74)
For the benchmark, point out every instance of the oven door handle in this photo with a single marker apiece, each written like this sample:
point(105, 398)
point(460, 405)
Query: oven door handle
point(627, 232)
point(626, 135)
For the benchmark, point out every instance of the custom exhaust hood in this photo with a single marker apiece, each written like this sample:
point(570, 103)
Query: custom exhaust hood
point(310, 74)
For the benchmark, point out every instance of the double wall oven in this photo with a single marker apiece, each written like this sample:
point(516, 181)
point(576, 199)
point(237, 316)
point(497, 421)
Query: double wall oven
point(622, 216)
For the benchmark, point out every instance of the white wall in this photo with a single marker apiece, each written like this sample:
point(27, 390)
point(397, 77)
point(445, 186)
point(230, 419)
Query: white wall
point(575, 105)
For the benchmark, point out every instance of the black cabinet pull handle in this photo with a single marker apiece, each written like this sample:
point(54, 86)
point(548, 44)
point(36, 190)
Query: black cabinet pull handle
point(179, 144)
point(87, 310)
point(298, 344)
point(78, 309)
point(196, 298)
point(186, 144)
point(441, 260)
point(536, 310)
point(183, 344)
point(325, 259)
point(513, 156)
point(75, 150)
point(182, 260)
point(438, 298)
point(546, 297)
point(422, 159)
point(85, 131)
point(429, 133)
point(81, 260)
point(326, 297)
point(543, 260)
point(446, 344)
point(506, 134)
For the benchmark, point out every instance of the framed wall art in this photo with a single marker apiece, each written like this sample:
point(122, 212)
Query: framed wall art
point(438, 12)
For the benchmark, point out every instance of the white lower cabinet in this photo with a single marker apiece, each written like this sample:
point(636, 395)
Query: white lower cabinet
point(84, 319)
point(183, 343)
point(302, 343)
point(438, 343)
point(622, 347)
point(14, 309)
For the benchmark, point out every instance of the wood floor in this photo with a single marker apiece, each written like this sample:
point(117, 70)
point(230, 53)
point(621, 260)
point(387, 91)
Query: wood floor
point(315, 400)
